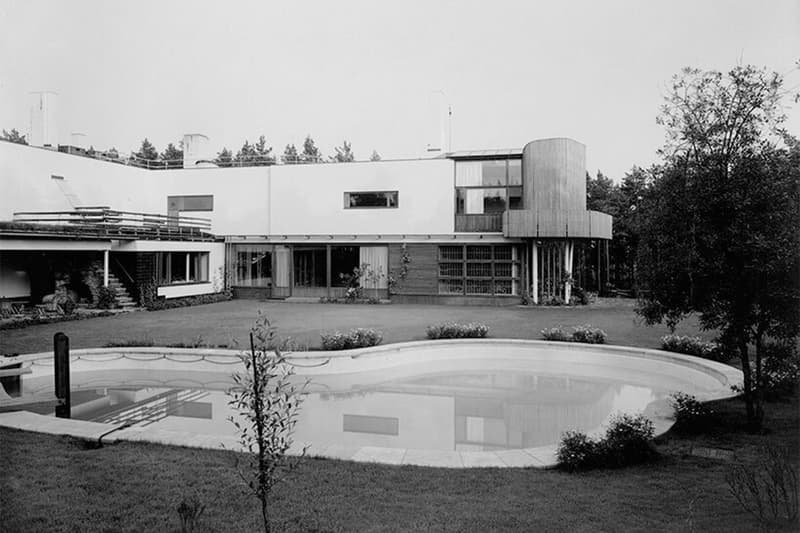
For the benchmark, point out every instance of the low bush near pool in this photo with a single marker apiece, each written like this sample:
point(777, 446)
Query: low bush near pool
point(452, 330)
point(355, 338)
point(625, 442)
point(586, 334)
point(694, 346)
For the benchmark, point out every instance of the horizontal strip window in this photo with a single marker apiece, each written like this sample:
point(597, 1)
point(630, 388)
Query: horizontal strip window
point(371, 199)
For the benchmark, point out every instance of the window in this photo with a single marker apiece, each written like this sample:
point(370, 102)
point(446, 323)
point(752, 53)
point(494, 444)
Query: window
point(354, 200)
point(488, 187)
point(182, 267)
point(252, 265)
point(343, 260)
point(478, 269)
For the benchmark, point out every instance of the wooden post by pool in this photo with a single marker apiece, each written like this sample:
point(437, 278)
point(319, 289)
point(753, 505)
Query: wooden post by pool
point(61, 351)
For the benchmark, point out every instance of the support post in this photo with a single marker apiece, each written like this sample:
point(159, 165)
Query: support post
point(567, 271)
point(61, 354)
point(105, 268)
point(534, 272)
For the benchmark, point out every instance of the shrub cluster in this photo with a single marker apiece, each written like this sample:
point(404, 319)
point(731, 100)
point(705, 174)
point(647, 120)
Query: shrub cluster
point(355, 338)
point(625, 442)
point(691, 416)
point(586, 334)
point(694, 346)
point(106, 298)
point(781, 373)
point(452, 330)
point(187, 301)
point(20, 323)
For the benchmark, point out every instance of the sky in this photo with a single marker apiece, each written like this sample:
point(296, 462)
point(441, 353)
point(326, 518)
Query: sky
point(364, 70)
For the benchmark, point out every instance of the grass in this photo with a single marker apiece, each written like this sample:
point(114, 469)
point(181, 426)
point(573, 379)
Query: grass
point(222, 323)
point(52, 483)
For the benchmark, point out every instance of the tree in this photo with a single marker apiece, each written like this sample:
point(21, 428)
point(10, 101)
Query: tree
point(290, 155)
point(375, 156)
point(224, 158)
point(173, 156)
point(146, 154)
point(264, 155)
point(14, 136)
point(601, 194)
point(344, 154)
point(719, 234)
point(310, 153)
point(246, 155)
point(267, 403)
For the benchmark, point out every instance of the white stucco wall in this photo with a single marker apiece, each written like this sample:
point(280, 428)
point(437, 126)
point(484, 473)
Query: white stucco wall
point(309, 199)
point(290, 199)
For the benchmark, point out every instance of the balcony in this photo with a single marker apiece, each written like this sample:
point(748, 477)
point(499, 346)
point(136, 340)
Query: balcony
point(491, 222)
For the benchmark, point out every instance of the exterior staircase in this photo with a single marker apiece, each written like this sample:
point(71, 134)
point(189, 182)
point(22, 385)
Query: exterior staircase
point(123, 297)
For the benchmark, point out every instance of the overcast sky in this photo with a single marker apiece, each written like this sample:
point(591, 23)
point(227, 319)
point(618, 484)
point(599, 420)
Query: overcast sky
point(363, 71)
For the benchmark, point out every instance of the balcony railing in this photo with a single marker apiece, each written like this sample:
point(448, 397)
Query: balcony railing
point(491, 222)
point(103, 221)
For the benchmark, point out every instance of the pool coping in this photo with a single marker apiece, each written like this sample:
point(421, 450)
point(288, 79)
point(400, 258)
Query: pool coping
point(539, 457)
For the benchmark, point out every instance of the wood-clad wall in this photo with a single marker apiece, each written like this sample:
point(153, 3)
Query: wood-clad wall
point(423, 270)
point(554, 175)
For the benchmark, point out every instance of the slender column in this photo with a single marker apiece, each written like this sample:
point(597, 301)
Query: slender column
point(534, 272)
point(328, 269)
point(567, 270)
point(105, 268)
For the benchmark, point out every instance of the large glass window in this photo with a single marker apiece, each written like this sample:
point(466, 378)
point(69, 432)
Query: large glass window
point(343, 260)
point(370, 199)
point(310, 267)
point(182, 267)
point(479, 269)
point(252, 265)
point(488, 187)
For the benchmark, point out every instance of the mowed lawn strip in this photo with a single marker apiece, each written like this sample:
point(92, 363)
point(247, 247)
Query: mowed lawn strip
point(225, 322)
point(54, 483)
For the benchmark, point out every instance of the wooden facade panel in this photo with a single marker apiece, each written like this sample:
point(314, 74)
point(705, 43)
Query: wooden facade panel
point(554, 175)
point(557, 223)
point(480, 223)
point(423, 270)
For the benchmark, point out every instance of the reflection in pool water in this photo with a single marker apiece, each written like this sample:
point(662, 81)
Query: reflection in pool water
point(474, 410)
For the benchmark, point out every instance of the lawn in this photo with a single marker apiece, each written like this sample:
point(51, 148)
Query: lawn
point(54, 483)
point(50, 483)
point(223, 322)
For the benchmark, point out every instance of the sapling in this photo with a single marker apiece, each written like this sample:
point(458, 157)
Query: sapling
point(267, 401)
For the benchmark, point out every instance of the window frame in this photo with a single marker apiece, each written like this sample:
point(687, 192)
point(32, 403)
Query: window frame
point(348, 200)
point(164, 264)
point(489, 263)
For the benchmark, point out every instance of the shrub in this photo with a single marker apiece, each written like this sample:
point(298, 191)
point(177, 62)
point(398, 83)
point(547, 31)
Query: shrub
point(355, 338)
point(189, 511)
point(577, 451)
point(781, 372)
point(187, 301)
point(585, 334)
point(452, 330)
point(769, 489)
point(691, 416)
point(106, 298)
point(694, 346)
point(555, 334)
point(625, 442)
point(588, 334)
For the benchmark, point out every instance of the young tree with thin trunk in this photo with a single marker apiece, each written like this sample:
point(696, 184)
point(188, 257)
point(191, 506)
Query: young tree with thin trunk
point(267, 401)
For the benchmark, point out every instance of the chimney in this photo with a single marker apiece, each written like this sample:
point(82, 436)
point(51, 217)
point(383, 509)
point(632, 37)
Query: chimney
point(196, 152)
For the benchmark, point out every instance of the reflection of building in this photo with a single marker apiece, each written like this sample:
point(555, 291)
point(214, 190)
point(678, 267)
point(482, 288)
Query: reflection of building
point(481, 226)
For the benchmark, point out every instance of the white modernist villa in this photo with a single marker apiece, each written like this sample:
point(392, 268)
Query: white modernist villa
point(486, 226)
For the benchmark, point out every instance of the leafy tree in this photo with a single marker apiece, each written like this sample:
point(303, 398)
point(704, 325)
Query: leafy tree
point(310, 153)
point(14, 136)
point(147, 152)
point(224, 158)
point(268, 404)
point(601, 194)
point(344, 154)
point(173, 156)
point(112, 153)
point(375, 156)
point(719, 233)
point(290, 155)
point(263, 153)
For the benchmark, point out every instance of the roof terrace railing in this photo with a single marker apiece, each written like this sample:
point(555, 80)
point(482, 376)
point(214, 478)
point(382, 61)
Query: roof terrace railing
point(113, 222)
